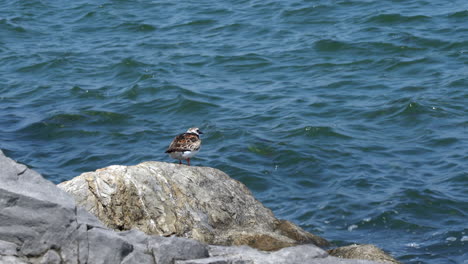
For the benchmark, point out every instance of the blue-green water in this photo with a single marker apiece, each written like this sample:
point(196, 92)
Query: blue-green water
point(346, 117)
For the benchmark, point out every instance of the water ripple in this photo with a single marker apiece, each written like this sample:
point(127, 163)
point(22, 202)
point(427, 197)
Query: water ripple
point(389, 19)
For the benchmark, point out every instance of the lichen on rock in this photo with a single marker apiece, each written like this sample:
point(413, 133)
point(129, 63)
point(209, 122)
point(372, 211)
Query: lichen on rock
point(194, 202)
point(366, 251)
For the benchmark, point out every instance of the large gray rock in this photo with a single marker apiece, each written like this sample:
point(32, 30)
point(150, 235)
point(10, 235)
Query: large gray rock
point(291, 255)
point(39, 223)
point(194, 202)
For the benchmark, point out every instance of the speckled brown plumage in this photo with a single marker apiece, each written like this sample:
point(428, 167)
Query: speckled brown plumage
point(185, 145)
point(185, 142)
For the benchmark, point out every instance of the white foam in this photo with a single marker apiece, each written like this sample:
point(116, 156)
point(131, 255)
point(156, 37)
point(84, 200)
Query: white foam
point(412, 244)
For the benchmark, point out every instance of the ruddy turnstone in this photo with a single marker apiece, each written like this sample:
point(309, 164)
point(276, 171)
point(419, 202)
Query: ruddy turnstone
point(185, 145)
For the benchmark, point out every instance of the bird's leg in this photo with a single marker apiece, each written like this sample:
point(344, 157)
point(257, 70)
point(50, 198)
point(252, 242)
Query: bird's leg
point(188, 161)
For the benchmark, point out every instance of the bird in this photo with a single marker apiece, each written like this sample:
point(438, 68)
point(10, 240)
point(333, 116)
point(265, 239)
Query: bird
point(185, 145)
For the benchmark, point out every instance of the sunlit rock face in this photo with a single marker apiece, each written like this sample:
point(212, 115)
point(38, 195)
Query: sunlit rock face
point(194, 202)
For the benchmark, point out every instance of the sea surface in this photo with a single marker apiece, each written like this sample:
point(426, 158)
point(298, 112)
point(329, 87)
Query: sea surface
point(346, 117)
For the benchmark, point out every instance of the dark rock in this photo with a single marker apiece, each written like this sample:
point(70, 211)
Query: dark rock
point(168, 249)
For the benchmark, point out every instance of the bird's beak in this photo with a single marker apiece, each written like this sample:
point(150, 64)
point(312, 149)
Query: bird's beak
point(199, 132)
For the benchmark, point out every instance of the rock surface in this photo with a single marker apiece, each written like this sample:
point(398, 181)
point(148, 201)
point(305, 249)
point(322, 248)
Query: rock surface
point(304, 254)
point(39, 223)
point(369, 252)
point(194, 202)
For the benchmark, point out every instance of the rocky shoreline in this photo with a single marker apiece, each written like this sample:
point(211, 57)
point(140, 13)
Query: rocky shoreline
point(153, 212)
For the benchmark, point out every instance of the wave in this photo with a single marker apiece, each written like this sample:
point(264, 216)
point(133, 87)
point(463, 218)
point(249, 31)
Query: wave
point(305, 11)
point(86, 122)
point(42, 67)
point(391, 19)
point(137, 27)
point(11, 27)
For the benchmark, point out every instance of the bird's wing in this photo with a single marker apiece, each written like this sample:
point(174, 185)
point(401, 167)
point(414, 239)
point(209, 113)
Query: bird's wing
point(185, 142)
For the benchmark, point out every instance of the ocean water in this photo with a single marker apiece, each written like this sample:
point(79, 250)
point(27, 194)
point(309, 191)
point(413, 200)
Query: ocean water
point(346, 117)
